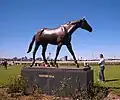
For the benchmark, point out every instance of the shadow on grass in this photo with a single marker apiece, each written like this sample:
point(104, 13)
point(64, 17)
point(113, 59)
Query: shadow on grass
point(112, 80)
point(113, 87)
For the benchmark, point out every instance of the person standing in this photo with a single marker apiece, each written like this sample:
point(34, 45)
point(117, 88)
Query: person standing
point(102, 68)
point(5, 63)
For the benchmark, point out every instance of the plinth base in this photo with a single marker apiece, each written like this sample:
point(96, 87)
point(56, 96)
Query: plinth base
point(50, 78)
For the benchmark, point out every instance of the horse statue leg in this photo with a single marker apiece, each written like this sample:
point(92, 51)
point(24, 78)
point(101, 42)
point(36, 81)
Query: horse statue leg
point(44, 47)
point(57, 53)
point(69, 46)
point(34, 52)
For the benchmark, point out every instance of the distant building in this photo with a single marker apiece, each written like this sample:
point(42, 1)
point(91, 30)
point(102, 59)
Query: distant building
point(15, 58)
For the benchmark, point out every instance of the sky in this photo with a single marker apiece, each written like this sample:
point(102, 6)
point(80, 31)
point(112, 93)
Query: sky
point(21, 19)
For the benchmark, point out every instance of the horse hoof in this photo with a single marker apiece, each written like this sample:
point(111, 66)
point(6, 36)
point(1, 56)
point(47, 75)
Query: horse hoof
point(56, 66)
point(77, 66)
point(48, 65)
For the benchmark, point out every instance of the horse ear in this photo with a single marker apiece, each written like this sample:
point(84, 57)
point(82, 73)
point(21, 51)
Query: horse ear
point(83, 18)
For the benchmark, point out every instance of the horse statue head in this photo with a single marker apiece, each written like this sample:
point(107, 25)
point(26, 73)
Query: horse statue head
point(82, 23)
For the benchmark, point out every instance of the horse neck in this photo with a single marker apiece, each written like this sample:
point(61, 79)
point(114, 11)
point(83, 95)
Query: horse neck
point(71, 28)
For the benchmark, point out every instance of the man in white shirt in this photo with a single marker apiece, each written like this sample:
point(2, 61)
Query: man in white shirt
point(102, 68)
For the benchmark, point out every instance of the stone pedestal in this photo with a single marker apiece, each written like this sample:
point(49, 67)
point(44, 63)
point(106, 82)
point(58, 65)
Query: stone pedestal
point(49, 79)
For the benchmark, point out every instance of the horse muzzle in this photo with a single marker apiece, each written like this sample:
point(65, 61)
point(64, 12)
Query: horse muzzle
point(90, 29)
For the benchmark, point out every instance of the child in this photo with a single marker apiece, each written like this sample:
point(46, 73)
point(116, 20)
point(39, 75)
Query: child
point(86, 65)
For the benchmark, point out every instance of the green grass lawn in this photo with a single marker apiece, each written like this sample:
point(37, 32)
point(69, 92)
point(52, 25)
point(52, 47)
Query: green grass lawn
point(112, 75)
point(6, 74)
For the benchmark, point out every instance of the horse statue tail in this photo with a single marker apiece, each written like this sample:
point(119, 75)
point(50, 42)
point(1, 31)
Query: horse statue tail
point(31, 44)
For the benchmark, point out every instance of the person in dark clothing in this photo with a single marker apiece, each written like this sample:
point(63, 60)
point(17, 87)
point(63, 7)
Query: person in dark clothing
point(5, 63)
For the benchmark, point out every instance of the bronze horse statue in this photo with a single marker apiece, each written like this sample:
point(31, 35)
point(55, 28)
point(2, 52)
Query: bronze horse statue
point(58, 36)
